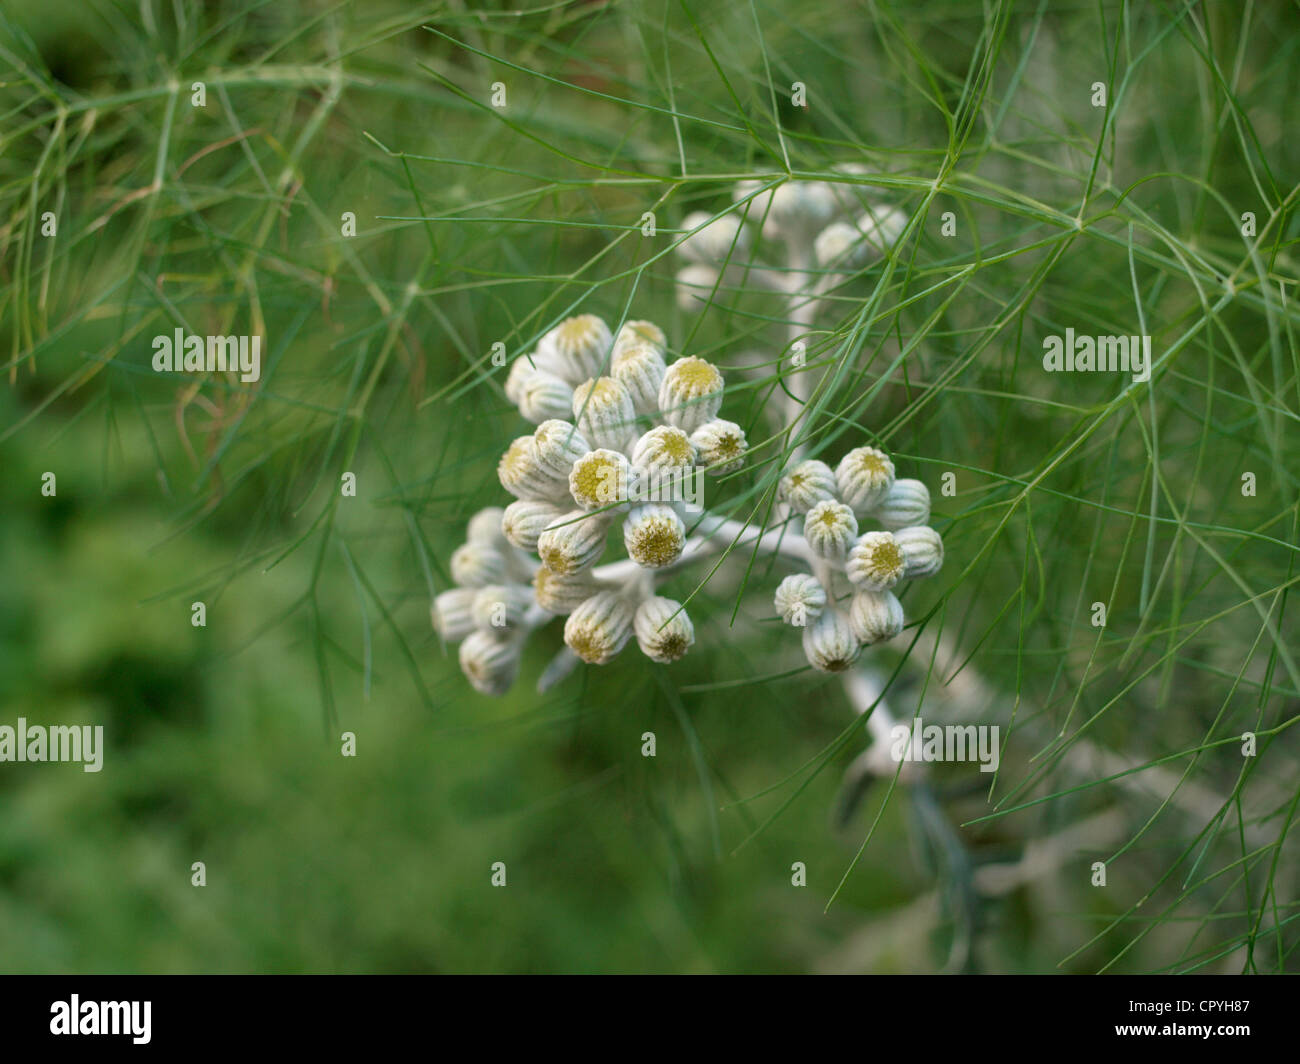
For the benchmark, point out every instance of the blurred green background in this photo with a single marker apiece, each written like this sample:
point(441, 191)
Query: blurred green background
point(223, 742)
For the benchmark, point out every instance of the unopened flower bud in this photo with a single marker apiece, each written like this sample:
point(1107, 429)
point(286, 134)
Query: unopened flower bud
point(694, 286)
point(654, 535)
point(875, 616)
point(525, 520)
point(840, 245)
point(573, 543)
point(477, 565)
point(864, 476)
point(544, 395)
point(715, 241)
point(500, 606)
point(577, 347)
point(906, 504)
point(691, 393)
point(800, 599)
point(721, 445)
point(489, 661)
point(876, 562)
point(806, 485)
point(829, 643)
point(922, 550)
point(601, 479)
point(451, 613)
point(663, 452)
point(485, 527)
point(663, 630)
point(559, 594)
point(830, 529)
point(599, 628)
point(881, 226)
point(557, 445)
point(640, 369)
point(635, 333)
point(525, 477)
point(521, 370)
point(603, 410)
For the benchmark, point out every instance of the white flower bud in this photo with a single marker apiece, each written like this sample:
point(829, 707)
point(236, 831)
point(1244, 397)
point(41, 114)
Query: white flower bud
point(876, 562)
point(663, 452)
point(719, 240)
point(922, 550)
point(806, 485)
point(521, 371)
point(864, 476)
point(640, 369)
point(635, 333)
point(694, 286)
point(557, 445)
point(451, 613)
point(691, 393)
point(573, 542)
point(489, 661)
point(800, 599)
point(907, 503)
point(485, 527)
point(663, 630)
point(500, 606)
point(654, 535)
point(830, 529)
point(603, 409)
point(544, 395)
point(840, 244)
point(524, 476)
point(875, 616)
point(599, 628)
point(601, 479)
point(477, 565)
point(560, 594)
point(524, 521)
point(799, 208)
point(829, 643)
point(721, 445)
point(881, 226)
point(577, 347)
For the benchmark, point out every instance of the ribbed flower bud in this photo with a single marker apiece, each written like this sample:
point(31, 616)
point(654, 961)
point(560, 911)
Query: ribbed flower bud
point(634, 333)
point(905, 505)
point(830, 529)
point(806, 485)
point(603, 409)
point(721, 445)
point(525, 477)
point(500, 606)
point(829, 643)
point(573, 543)
point(640, 369)
point(800, 599)
point(544, 395)
point(654, 535)
point(864, 476)
point(489, 661)
point(485, 527)
point(599, 628)
point(876, 562)
point(477, 565)
point(601, 479)
point(663, 452)
point(524, 521)
point(798, 209)
point(560, 594)
point(521, 371)
point(694, 286)
point(577, 347)
point(922, 550)
point(691, 393)
point(719, 240)
point(875, 616)
point(557, 445)
point(451, 613)
point(663, 631)
point(841, 245)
